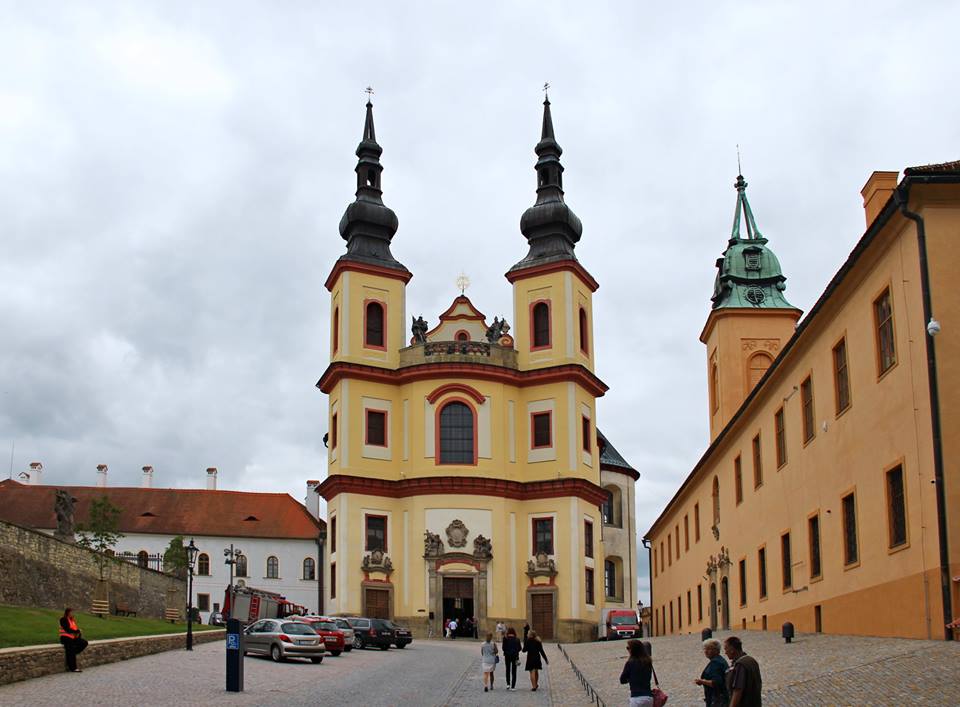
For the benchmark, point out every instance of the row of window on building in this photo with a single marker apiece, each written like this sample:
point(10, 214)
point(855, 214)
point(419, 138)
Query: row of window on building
point(308, 566)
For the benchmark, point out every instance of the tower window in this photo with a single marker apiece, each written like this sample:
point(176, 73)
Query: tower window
point(543, 535)
point(540, 323)
point(540, 424)
point(376, 428)
point(376, 533)
point(714, 387)
point(373, 325)
point(584, 333)
point(336, 330)
point(371, 177)
point(457, 434)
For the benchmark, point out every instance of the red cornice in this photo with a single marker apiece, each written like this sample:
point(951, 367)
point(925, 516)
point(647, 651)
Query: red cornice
point(428, 371)
point(571, 265)
point(462, 486)
point(341, 265)
point(456, 388)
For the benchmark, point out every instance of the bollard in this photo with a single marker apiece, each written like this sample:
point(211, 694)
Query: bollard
point(706, 633)
point(787, 631)
point(234, 656)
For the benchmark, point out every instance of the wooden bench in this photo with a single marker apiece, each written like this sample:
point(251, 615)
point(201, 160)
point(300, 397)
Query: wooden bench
point(123, 609)
point(101, 607)
point(171, 615)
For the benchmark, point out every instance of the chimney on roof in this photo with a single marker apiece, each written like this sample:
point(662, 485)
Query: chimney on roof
point(212, 478)
point(312, 501)
point(36, 473)
point(876, 192)
point(102, 475)
point(147, 481)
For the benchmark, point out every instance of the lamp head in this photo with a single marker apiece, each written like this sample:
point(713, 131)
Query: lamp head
point(192, 552)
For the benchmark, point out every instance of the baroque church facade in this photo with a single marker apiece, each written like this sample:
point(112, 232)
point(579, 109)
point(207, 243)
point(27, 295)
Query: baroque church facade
point(466, 475)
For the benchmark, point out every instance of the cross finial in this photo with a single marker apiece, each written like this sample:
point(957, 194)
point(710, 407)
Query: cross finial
point(546, 87)
point(739, 169)
point(463, 282)
point(369, 91)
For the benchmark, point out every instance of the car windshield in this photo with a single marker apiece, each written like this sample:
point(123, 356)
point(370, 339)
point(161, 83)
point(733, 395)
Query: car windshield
point(325, 625)
point(623, 620)
point(298, 628)
point(343, 623)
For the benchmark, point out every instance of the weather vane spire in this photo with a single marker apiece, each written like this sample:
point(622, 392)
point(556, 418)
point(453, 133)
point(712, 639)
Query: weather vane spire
point(546, 87)
point(369, 91)
point(739, 169)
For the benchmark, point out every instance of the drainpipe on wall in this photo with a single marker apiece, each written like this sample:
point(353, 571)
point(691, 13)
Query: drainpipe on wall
point(321, 541)
point(901, 197)
point(646, 544)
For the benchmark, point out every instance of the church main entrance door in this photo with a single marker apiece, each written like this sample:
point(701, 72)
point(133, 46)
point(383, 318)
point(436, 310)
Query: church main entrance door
point(541, 609)
point(458, 601)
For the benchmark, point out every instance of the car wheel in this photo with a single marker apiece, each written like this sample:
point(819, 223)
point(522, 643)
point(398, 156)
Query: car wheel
point(276, 654)
point(316, 661)
point(335, 653)
point(401, 645)
point(357, 642)
point(385, 647)
point(348, 648)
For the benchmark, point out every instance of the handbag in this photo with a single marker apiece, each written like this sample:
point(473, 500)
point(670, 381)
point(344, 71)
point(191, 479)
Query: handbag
point(659, 696)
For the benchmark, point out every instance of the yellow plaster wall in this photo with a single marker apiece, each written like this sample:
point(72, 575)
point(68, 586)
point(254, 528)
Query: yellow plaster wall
point(350, 290)
point(566, 293)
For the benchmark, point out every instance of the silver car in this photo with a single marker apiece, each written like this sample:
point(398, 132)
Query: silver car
point(344, 626)
point(281, 639)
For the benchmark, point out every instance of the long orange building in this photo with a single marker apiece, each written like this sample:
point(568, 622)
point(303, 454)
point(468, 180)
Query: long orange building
point(829, 493)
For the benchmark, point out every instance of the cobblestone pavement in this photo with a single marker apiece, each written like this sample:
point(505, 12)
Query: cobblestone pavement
point(815, 669)
point(424, 673)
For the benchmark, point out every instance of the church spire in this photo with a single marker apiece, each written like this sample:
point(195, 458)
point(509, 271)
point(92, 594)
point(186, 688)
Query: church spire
point(368, 225)
point(748, 274)
point(550, 226)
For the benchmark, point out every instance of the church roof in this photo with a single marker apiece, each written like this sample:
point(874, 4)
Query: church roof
point(230, 514)
point(940, 168)
point(611, 459)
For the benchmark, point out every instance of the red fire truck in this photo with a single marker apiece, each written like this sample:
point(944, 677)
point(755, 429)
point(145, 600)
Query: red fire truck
point(250, 604)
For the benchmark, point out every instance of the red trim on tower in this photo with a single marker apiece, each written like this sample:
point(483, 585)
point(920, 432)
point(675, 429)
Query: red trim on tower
point(456, 388)
point(571, 265)
point(342, 265)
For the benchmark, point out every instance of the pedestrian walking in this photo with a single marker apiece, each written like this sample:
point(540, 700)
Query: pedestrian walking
point(713, 678)
point(475, 625)
point(489, 657)
point(501, 631)
point(446, 628)
point(453, 628)
point(637, 672)
point(534, 650)
point(72, 639)
point(511, 656)
point(744, 683)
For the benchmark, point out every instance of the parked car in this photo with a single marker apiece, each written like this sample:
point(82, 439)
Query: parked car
point(622, 623)
point(371, 632)
point(216, 619)
point(347, 631)
point(281, 639)
point(402, 636)
point(328, 630)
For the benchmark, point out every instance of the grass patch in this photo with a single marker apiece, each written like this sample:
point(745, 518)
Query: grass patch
point(27, 626)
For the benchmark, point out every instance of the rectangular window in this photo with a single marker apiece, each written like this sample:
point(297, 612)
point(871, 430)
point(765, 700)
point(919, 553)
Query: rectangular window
point(896, 507)
point(333, 432)
point(738, 479)
point(786, 560)
point(743, 582)
point(883, 319)
point(851, 552)
point(588, 592)
point(762, 571)
point(686, 533)
point(376, 533)
point(543, 535)
point(376, 428)
point(696, 522)
point(669, 550)
point(588, 538)
point(757, 463)
point(656, 567)
point(610, 578)
point(585, 432)
point(661, 556)
point(689, 608)
point(676, 534)
point(203, 602)
point(841, 377)
point(679, 614)
point(699, 602)
point(333, 580)
point(806, 401)
point(813, 531)
point(541, 429)
point(333, 534)
point(780, 426)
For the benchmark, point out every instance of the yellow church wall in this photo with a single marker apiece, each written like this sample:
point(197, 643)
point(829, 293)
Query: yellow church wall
point(348, 297)
point(851, 451)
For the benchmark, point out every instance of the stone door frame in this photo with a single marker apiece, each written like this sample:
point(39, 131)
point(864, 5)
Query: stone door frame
point(554, 593)
point(435, 575)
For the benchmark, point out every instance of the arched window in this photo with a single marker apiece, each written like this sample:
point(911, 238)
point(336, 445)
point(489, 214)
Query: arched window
point(584, 332)
point(240, 569)
point(759, 363)
point(714, 387)
point(611, 578)
point(457, 434)
point(142, 558)
point(273, 567)
point(203, 564)
point(373, 322)
point(463, 336)
point(309, 568)
point(611, 507)
point(716, 501)
point(336, 330)
point(541, 325)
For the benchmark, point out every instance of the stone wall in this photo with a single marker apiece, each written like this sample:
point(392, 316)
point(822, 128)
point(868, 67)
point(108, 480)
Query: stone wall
point(39, 570)
point(36, 661)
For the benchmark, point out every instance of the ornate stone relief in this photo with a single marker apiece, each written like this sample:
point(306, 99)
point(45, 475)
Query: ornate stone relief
point(432, 544)
point(377, 561)
point(482, 548)
point(771, 345)
point(542, 566)
point(457, 534)
point(719, 562)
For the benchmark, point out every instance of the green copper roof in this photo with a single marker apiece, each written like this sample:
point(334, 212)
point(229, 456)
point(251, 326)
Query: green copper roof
point(748, 274)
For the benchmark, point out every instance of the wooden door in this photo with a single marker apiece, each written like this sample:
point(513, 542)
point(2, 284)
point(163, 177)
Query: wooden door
point(378, 603)
point(541, 608)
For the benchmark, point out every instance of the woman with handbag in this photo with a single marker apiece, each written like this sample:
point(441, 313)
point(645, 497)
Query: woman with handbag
point(511, 656)
point(637, 672)
point(489, 657)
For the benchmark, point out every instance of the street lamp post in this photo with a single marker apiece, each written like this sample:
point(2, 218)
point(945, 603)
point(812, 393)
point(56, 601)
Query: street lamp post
point(192, 551)
point(233, 555)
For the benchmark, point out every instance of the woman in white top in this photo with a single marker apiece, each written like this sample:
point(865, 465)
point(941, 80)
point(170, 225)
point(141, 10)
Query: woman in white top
point(501, 630)
point(488, 659)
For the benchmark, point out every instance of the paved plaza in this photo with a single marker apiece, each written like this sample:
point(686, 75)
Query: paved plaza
point(815, 669)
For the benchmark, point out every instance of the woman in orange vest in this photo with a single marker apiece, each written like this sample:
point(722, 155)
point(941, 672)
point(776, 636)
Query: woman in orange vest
point(71, 639)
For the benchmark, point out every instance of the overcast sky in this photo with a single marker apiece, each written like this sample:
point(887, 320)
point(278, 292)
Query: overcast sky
point(172, 175)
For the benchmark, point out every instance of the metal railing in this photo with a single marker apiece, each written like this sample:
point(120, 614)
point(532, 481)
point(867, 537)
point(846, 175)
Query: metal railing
point(153, 562)
point(587, 687)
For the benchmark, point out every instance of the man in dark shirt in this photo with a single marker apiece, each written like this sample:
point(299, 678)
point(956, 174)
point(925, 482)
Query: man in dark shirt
point(743, 679)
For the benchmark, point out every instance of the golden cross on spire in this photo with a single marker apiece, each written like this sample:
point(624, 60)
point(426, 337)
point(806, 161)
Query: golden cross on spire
point(463, 282)
point(369, 91)
point(546, 87)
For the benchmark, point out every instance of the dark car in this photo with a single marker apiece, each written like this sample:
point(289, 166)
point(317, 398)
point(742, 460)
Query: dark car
point(371, 632)
point(217, 619)
point(402, 636)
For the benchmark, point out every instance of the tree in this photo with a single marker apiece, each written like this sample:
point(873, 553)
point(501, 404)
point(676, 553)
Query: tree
point(101, 531)
point(175, 557)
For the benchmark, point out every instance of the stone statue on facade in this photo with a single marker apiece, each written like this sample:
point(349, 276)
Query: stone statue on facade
point(544, 566)
point(432, 544)
point(497, 330)
point(457, 534)
point(482, 547)
point(377, 561)
point(419, 330)
point(63, 507)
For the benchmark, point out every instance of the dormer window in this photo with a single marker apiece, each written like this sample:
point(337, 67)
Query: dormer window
point(752, 259)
